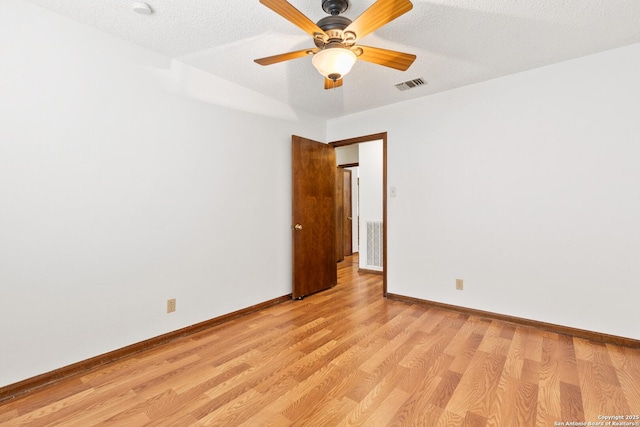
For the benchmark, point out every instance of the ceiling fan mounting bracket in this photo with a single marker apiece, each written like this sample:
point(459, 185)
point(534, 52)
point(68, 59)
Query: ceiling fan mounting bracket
point(320, 39)
point(349, 37)
point(335, 7)
point(358, 51)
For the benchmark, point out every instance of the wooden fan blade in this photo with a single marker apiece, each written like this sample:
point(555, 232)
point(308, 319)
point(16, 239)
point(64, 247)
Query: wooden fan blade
point(380, 13)
point(330, 84)
point(389, 58)
point(293, 15)
point(285, 56)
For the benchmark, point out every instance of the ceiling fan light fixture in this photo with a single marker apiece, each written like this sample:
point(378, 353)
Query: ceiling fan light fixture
point(334, 62)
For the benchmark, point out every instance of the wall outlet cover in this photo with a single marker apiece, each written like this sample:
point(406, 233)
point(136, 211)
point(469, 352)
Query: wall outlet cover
point(171, 305)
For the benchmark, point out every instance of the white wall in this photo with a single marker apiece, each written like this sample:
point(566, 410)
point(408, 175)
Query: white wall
point(371, 186)
point(526, 187)
point(118, 193)
point(347, 154)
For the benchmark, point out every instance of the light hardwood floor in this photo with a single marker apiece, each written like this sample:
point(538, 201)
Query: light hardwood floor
point(345, 357)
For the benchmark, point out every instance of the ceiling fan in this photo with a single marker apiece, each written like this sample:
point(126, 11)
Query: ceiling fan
point(335, 37)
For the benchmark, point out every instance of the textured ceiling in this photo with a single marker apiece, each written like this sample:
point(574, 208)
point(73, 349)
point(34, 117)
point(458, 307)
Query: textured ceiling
point(457, 42)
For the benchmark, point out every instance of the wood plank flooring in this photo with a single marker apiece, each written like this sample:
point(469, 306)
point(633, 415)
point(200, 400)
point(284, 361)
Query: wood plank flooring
point(348, 357)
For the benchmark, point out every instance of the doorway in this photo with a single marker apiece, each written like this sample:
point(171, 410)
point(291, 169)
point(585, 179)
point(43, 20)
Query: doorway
point(314, 213)
point(372, 228)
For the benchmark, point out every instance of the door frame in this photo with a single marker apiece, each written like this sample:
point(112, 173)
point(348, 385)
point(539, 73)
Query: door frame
point(368, 138)
point(347, 166)
point(347, 204)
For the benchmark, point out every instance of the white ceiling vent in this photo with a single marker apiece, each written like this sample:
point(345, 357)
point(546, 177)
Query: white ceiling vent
point(410, 84)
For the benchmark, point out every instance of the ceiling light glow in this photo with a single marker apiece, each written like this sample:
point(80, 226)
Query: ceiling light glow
point(334, 62)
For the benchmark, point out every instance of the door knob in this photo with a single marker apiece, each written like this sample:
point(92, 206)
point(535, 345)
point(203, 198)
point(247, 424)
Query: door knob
point(349, 218)
point(298, 227)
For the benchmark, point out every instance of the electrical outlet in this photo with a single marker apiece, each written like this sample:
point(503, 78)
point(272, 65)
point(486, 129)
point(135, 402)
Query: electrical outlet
point(459, 284)
point(171, 305)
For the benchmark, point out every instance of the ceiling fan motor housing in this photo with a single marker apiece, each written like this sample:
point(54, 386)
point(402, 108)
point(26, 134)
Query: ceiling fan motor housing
point(335, 7)
point(333, 26)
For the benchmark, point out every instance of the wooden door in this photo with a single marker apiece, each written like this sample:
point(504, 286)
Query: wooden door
point(313, 216)
point(347, 213)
